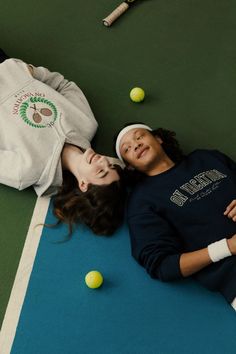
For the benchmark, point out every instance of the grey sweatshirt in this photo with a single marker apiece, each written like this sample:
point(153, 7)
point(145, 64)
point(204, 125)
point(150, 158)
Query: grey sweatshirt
point(38, 115)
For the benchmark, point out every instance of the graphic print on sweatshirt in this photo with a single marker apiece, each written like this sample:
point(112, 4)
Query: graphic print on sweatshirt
point(35, 109)
point(198, 187)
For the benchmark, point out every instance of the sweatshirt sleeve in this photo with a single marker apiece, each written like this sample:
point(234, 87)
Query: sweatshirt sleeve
point(66, 88)
point(155, 246)
point(231, 164)
point(10, 162)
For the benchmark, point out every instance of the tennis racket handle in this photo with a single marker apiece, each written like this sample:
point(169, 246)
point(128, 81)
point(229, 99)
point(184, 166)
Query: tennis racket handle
point(115, 14)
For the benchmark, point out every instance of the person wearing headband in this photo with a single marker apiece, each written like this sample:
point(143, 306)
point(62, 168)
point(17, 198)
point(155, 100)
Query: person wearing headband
point(182, 212)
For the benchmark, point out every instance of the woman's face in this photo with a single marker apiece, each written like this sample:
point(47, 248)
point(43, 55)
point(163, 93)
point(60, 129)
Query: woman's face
point(140, 149)
point(95, 169)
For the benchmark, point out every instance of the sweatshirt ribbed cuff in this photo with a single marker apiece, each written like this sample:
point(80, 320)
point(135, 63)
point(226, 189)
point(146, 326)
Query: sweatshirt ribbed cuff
point(219, 250)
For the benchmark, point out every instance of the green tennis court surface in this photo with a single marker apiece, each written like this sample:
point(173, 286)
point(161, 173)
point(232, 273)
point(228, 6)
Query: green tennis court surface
point(181, 52)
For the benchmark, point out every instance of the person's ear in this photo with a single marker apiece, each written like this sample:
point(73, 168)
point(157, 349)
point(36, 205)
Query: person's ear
point(83, 185)
point(159, 139)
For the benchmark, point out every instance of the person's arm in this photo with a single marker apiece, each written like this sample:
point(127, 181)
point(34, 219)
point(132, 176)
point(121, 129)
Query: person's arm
point(230, 163)
point(192, 262)
point(156, 247)
point(230, 210)
point(10, 168)
point(66, 88)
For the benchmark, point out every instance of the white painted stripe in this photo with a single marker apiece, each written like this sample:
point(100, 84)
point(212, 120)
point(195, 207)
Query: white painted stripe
point(234, 303)
point(24, 270)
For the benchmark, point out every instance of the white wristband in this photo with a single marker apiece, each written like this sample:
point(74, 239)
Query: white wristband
point(219, 250)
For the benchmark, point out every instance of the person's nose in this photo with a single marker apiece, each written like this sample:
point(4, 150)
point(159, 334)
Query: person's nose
point(137, 145)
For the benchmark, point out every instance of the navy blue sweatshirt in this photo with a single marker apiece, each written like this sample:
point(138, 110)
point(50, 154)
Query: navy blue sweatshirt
point(181, 210)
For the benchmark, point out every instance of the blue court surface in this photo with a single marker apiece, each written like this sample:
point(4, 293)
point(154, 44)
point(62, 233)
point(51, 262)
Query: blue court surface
point(130, 314)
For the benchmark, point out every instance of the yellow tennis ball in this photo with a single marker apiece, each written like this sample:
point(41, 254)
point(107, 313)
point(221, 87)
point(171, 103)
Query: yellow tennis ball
point(137, 94)
point(94, 279)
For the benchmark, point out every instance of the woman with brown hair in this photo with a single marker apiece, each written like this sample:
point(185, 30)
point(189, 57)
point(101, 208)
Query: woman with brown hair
point(46, 126)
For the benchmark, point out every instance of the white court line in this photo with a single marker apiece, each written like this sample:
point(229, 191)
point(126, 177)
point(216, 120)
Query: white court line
point(24, 270)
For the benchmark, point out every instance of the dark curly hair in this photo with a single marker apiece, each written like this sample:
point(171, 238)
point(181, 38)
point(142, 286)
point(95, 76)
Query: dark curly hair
point(170, 144)
point(101, 207)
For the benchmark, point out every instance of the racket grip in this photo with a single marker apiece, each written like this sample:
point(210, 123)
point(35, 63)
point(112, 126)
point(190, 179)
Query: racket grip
point(115, 14)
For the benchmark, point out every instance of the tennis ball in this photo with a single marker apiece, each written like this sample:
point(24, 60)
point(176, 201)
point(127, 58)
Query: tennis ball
point(94, 279)
point(137, 94)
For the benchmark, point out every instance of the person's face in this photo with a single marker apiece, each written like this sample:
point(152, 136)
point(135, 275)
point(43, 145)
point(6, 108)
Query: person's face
point(95, 169)
point(140, 149)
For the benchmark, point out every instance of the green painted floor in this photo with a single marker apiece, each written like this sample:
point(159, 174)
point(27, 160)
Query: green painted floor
point(16, 211)
point(181, 52)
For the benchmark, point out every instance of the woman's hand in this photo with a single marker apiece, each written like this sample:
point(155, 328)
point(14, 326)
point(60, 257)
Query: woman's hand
point(232, 244)
point(231, 210)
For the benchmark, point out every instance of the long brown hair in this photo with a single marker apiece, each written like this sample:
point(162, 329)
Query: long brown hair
point(100, 207)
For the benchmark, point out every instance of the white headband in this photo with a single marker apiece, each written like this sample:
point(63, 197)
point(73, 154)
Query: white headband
point(124, 131)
